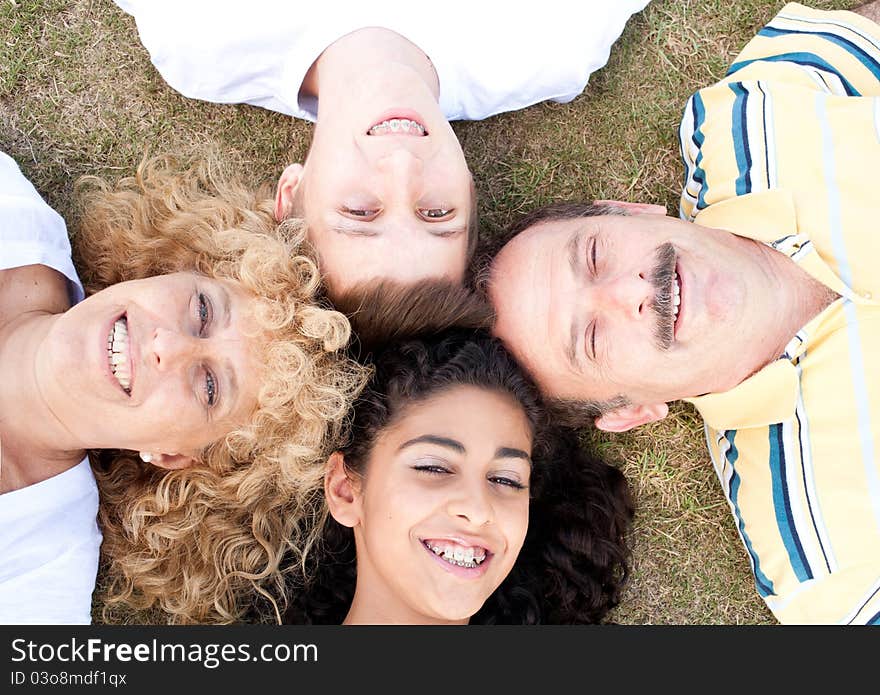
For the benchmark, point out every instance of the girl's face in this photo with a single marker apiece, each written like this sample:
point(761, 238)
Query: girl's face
point(165, 364)
point(443, 508)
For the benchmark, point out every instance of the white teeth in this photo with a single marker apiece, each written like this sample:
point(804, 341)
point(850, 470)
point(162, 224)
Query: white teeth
point(676, 295)
point(118, 353)
point(455, 555)
point(397, 125)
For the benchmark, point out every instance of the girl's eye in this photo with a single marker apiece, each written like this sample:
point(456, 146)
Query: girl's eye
point(593, 254)
point(210, 388)
point(435, 213)
point(507, 482)
point(204, 313)
point(431, 469)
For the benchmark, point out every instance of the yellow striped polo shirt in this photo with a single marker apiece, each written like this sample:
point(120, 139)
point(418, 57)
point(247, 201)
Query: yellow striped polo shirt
point(786, 150)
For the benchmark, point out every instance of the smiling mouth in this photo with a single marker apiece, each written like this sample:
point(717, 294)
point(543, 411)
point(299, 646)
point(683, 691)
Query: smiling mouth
point(398, 126)
point(119, 354)
point(468, 557)
point(676, 296)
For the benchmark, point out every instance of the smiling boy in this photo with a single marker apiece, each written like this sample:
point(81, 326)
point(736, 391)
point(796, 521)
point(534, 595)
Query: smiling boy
point(385, 191)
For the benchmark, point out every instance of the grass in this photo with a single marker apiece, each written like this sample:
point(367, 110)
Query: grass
point(78, 95)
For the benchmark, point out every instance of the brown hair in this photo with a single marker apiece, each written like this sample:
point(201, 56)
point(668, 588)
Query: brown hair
point(387, 312)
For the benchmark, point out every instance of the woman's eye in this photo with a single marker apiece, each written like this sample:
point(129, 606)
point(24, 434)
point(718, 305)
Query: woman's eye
point(435, 213)
point(210, 389)
point(204, 308)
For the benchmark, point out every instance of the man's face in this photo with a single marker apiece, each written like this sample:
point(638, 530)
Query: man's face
point(645, 306)
point(385, 193)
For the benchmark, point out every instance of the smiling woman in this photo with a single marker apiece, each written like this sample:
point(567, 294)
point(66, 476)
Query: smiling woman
point(202, 376)
point(452, 503)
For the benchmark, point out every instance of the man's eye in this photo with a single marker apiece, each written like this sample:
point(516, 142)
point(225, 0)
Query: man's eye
point(210, 389)
point(435, 213)
point(593, 340)
point(204, 308)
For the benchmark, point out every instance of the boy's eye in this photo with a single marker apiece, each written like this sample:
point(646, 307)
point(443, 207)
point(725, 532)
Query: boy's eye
point(360, 212)
point(435, 213)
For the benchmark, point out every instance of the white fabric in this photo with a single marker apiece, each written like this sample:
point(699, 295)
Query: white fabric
point(49, 539)
point(491, 56)
point(49, 543)
point(30, 231)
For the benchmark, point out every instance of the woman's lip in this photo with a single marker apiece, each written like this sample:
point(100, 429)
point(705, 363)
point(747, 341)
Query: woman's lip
point(455, 570)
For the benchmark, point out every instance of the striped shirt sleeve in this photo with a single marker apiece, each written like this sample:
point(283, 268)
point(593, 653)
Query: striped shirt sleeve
point(835, 52)
point(832, 599)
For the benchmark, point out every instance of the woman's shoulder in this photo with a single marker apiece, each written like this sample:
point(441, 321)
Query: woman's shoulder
point(31, 288)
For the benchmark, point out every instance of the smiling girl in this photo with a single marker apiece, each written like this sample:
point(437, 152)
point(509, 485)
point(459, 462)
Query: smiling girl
point(449, 506)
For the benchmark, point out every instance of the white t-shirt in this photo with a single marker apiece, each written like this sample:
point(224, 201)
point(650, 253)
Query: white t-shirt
point(49, 539)
point(490, 56)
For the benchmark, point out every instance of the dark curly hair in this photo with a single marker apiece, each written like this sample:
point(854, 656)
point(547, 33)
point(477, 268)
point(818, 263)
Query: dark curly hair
point(574, 560)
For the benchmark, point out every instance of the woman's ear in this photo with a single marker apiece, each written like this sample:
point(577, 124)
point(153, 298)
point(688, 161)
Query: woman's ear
point(171, 462)
point(341, 494)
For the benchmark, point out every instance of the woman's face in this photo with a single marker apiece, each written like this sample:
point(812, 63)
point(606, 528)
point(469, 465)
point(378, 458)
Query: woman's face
point(444, 506)
point(163, 365)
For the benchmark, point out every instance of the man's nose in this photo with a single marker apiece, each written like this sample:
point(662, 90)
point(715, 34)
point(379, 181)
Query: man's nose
point(170, 348)
point(470, 502)
point(630, 294)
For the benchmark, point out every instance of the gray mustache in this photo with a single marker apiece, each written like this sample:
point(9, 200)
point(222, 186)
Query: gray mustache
point(661, 278)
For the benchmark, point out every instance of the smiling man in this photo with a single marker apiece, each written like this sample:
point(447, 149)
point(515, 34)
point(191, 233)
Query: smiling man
point(385, 190)
point(760, 306)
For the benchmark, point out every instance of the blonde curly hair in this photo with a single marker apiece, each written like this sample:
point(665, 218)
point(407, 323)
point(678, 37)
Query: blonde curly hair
point(195, 543)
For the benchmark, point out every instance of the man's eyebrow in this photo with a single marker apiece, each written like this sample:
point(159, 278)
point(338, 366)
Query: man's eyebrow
point(506, 452)
point(571, 246)
point(574, 262)
point(458, 447)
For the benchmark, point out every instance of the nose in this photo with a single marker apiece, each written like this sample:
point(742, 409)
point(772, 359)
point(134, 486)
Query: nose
point(402, 170)
point(470, 502)
point(170, 348)
point(630, 294)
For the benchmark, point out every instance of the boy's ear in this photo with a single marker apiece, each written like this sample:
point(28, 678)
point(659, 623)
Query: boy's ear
point(629, 416)
point(288, 183)
point(342, 498)
point(634, 208)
